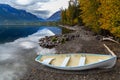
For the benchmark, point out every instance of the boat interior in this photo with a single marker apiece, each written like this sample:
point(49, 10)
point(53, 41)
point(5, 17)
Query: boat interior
point(72, 60)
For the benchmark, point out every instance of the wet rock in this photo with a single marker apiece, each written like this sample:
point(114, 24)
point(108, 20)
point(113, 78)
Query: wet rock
point(52, 41)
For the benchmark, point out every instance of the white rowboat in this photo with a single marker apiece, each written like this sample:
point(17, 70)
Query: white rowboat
point(78, 61)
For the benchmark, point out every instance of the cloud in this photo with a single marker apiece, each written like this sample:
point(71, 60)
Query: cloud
point(52, 6)
point(40, 8)
point(24, 2)
point(41, 13)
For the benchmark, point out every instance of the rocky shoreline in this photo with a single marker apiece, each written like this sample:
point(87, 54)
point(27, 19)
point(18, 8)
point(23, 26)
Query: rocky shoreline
point(79, 33)
point(52, 41)
point(79, 41)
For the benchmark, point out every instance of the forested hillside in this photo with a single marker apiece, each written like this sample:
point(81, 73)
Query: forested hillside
point(98, 15)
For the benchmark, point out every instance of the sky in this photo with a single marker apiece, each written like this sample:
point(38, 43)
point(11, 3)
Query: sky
point(40, 8)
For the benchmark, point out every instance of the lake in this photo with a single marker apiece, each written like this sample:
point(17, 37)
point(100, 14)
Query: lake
point(11, 33)
point(19, 47)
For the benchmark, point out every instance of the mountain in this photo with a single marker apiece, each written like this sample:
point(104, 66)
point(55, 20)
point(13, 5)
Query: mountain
point(55, 17)
point(8, 13)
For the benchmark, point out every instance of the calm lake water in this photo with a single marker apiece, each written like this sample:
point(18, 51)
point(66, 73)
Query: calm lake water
point(11, 33)
point(19, 47)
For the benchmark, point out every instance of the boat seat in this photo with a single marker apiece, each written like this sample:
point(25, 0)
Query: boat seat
point(82, 61)
point(65, 62)
point(47, 61)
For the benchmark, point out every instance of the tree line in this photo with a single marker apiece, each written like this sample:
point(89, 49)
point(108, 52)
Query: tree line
point(101, 16)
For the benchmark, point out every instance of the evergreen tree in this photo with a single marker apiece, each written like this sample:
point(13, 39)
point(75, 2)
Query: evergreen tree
point(70, 15)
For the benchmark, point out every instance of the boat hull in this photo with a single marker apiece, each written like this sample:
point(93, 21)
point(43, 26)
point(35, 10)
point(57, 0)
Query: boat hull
point(109, 63)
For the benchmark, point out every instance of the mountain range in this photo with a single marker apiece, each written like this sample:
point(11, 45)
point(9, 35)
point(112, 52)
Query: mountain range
point(10, 14)
point(55, 17)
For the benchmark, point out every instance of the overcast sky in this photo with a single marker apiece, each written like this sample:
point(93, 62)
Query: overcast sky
point(41, 8)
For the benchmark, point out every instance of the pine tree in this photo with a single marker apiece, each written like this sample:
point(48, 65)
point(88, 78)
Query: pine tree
point(70, 15)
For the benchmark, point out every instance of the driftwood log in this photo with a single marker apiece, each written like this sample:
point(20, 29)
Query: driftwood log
point(112, 53)
point(110, 39)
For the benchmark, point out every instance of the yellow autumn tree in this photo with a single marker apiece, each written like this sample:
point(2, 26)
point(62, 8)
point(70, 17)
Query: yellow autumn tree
point(110, 16)
point(99, 15)
point(90, 14)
